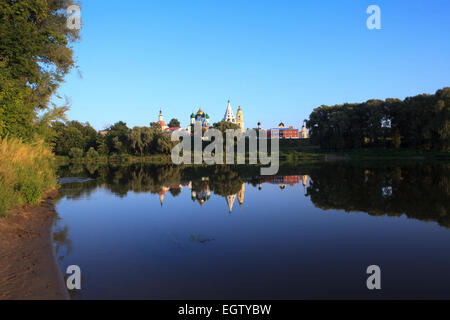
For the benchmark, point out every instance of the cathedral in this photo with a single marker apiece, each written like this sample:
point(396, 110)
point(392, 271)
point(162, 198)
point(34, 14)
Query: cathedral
point(201, 118)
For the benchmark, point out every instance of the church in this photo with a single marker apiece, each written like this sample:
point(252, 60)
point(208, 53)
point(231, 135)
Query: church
point(200, 118)
point(238, 119)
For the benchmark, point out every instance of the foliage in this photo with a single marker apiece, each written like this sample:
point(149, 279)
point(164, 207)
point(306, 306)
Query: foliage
point(420, 122)
point(225, 125)
point(26, 172)
point(119, 140)
point(174, 123)
point(92, 153)
point(76, 153)
point(35, 55)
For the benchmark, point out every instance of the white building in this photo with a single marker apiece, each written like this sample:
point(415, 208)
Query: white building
point(229, 115)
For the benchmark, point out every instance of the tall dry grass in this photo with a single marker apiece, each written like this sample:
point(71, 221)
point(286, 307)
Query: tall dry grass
point(26, 172)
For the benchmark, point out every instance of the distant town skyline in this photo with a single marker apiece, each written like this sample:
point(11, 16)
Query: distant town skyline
point(278, 60)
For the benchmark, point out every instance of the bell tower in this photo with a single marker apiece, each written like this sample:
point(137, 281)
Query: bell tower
point(240, 118)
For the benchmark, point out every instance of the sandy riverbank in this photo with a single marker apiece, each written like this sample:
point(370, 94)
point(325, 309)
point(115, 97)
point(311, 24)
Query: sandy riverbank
point(28, 269)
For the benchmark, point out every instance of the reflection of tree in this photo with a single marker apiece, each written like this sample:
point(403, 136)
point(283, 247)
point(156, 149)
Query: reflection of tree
point(420, 191)
point(92, 167)
point(76, 168)
point(63, 245)
point(175, 192)
point(225, 181)
point(120, 179)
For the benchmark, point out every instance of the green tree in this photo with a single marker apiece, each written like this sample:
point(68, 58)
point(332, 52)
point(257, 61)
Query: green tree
point(225, 125)
point(141, 138)
point(67, 138)
point(118, 137)
point(92, 153)
point(420, 122)
point(76, 153)
point(102, 147)
point(174, 123)
point(35, 55)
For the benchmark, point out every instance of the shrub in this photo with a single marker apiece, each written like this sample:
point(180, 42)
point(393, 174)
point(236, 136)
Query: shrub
point(92, 153)
point(26, 172)
point(76, 153)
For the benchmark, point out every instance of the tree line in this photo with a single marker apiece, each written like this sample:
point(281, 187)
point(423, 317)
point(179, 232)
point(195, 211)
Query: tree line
point(76, 140)
point(419, 122)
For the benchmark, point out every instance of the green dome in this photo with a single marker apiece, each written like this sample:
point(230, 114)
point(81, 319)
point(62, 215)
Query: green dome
point(192, 115)
point(207, 116)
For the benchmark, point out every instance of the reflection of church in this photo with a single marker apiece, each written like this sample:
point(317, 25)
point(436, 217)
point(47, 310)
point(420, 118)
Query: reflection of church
point(165, 189)
point(204, 195)
point(201, 197)
point(232, 198)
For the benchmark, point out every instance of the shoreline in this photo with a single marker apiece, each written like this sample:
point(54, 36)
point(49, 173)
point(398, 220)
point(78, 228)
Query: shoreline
point(28, 266)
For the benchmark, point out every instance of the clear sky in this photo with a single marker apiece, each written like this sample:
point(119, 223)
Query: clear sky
point(279, 59)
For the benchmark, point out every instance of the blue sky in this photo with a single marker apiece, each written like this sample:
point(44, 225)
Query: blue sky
point(279, 59)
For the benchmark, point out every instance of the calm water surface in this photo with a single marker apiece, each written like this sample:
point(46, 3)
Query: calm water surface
point(150, 232)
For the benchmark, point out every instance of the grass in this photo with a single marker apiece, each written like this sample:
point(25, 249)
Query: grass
point(291, 152)
point(380, 153)
point(26, 172)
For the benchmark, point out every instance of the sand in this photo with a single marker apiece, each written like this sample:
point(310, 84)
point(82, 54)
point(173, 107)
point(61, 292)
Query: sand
point(28, 268)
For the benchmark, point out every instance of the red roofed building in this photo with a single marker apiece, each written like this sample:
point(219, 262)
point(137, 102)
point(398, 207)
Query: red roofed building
point(283, 133)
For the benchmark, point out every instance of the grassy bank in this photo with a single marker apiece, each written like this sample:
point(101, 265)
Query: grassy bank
point(26, 172)
point(291, 152)
point(380, 153)
point(116, 159)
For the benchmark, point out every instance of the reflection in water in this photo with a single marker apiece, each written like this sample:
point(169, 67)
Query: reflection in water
point(61, 240)
point(418, 191)
point(290, 233)
point(222, 181)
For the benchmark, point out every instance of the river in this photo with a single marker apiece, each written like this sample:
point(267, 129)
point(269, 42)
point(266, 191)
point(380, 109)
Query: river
point(311, 232)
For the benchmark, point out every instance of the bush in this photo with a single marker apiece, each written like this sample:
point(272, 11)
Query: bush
point(76, 153)
point(26, 172)
point(92, 154)
point(31, 192)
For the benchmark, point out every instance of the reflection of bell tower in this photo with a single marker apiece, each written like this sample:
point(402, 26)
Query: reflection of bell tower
point(230, 202)
point(241, 195)
point(305, 180)
point(161, 199)
point(162, 194)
